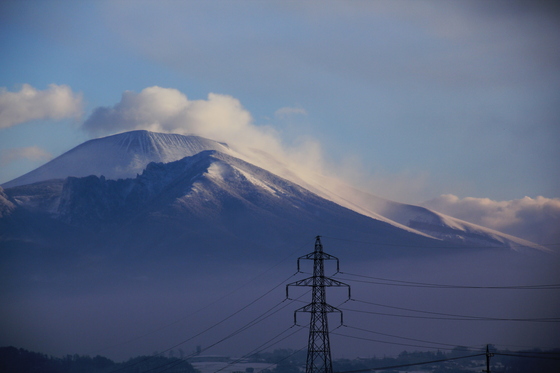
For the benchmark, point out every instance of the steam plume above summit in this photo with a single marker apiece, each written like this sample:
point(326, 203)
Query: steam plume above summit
point(219, 117)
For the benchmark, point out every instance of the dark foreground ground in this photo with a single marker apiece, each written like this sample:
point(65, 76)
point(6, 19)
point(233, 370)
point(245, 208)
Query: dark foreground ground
point(458, 360)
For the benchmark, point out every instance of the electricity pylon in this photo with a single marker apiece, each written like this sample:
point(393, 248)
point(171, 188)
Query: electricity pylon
point(318, 348)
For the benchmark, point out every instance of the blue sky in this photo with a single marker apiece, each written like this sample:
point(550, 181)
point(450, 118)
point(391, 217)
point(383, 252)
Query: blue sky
point(424, 97)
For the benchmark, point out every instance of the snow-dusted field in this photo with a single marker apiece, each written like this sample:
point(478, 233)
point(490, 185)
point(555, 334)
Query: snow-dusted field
point(231, 367)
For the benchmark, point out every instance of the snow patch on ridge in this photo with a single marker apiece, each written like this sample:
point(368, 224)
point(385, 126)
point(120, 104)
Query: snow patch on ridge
point(257, 182)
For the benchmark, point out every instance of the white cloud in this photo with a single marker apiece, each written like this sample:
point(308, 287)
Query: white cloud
point(288, 111)
point(56, 102)
point(154, 108)
point(32, 153)
point(219, 117)
point(535, 219)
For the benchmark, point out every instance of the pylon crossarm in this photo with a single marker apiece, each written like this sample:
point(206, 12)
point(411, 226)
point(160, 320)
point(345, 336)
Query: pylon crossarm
point(331, 309)
point(305, 282)
point(318, 255)
point(306, 308)
point(330, 282)
point(326, 308)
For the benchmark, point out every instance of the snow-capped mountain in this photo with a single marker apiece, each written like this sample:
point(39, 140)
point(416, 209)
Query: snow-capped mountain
point(99, 182)
point(125, 233)
point(209, 204)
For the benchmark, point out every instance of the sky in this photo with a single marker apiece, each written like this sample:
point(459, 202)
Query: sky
point(453, 104)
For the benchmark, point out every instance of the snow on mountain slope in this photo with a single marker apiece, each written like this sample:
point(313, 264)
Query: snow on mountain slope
point(209, 181)
point(119, 156)
point(433, 223)
point(127, 154)
point(197, 206)
point(410, 218)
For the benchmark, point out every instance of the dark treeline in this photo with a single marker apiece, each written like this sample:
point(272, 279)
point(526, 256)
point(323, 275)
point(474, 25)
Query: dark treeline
point(14, 360)
point(500, 362)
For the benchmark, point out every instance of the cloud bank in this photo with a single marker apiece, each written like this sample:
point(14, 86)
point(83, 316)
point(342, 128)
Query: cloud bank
point(289, 111)
point(55, 102)
point(535, 219)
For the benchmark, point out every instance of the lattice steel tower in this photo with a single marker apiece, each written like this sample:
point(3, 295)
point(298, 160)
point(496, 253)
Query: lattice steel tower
point(318, 348)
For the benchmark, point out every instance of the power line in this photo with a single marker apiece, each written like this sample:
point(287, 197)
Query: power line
point(262, 348)
point(459, 317)
point(234, 333)
point(451, 317)
point(211, 327)
point(529, 356)
point(556, 352)
point(528, 347)
point(390, 343)
point(410, 365)
point(393, 282)
point(250, 324)
point(406, 338)
point(209, 304)
point(289, 356)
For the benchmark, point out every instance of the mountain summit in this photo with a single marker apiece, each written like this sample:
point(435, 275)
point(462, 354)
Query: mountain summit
point(118, 156)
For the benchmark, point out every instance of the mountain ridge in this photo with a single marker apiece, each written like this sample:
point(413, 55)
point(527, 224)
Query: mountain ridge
point(130, 154)
point(209, 205)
